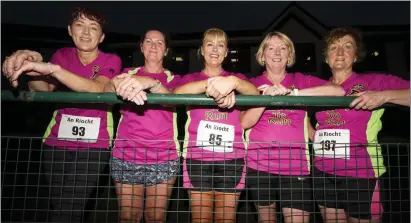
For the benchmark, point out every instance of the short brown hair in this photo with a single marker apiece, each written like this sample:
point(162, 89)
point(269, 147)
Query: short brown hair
point(89, 14)
point(282, 37)
point(338, 33)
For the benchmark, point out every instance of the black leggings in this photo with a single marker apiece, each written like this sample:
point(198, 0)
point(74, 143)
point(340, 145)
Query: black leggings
point(72, 176)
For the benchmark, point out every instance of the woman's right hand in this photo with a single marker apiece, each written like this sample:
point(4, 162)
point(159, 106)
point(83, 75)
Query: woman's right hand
point(220, 87)
point(15, 61)
point(132, 87)
point(274, 90)
point(227, 102)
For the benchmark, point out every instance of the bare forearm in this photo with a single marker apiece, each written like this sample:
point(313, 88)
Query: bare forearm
point(325, 90)
point(246, 88)
point(109, 87)
point(196, 87)
point(38, 85)
point(399, 97)
point(77, 83)
point(250, 117)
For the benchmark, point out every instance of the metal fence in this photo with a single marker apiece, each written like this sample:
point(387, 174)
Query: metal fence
point(27, 191)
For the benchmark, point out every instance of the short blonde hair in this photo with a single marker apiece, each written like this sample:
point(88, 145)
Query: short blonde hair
point(282, 37)
point(213, 33)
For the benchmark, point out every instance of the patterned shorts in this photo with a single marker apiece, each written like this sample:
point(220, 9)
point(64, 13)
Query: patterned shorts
point(152, 174)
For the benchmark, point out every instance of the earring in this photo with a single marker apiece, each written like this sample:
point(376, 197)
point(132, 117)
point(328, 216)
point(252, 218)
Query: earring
point(263, 62)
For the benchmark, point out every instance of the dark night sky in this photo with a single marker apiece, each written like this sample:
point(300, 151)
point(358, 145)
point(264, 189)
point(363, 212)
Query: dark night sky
point(180, 17)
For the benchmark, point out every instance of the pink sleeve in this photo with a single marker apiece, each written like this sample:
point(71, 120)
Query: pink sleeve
point(255, 81)
point(57, 57)
point(384, 82)
point(186, 79)
point(174, 83)
point(310, 81)
point(125, 70)
point(111, 68)
point(241, 76)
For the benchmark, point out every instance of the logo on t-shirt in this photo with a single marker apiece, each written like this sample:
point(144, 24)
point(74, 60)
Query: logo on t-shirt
point(279, 118)
point(215, 114)
point(357, 88)
point(95, 71)
point(334, 118)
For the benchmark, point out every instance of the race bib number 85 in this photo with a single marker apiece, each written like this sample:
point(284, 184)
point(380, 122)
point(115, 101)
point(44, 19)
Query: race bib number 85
point(215, 137)
point(332, 143)
point(79, 128)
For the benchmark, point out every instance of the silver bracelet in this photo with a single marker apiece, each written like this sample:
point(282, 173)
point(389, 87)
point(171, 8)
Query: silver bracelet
point(295, 92)
point(156, 87)
point(51, 68)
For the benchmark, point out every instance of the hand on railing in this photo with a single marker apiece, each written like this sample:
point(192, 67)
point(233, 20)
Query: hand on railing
point(369, 100)
point(16, 60)
point(220, 87)
point(274, 90)
point(227, 102)
point(14, 63)
point(132, 88)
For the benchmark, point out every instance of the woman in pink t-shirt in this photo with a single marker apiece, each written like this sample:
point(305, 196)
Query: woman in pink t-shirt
point(145, 159)
point(348, 161)
point(76, 143)
point(214, 150)
point(278, 163)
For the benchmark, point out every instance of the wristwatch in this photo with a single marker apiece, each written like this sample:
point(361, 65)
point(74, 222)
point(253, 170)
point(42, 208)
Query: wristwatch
point(295, 92)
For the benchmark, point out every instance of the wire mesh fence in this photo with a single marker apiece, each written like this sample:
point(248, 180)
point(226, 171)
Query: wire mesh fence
point(278, 181)
point(46, 184)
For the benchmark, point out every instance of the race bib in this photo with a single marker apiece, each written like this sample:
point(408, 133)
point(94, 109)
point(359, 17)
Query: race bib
point(79, 128)
point(332, 143)
point(215, 137)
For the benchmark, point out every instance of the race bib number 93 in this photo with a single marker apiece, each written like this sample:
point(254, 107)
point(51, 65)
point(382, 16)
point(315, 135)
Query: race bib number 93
point(79, 128)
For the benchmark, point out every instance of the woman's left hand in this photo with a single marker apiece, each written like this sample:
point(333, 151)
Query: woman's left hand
point(31, 69)
point(227, 102)
point(274, 90)
point(368, 100)
point(132, 89)
point(220, 87)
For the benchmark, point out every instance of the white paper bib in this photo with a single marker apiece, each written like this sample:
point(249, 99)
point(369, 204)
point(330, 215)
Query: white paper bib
point(215, 137)
point(332, 143)
point(79, 128)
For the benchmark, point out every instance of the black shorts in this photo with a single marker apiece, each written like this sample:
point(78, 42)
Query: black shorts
point(359, 197)
point(290, 191)
point(223, 176)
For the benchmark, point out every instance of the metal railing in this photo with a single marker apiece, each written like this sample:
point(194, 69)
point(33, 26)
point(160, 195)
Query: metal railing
point(26, 191)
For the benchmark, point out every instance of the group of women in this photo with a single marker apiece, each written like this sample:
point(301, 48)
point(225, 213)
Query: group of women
point(227, 148)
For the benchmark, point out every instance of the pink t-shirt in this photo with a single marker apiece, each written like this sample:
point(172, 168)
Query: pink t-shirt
point(278, 142)
point(211, 133)
point(84, 126)
point(346, 139)
point(148, 134)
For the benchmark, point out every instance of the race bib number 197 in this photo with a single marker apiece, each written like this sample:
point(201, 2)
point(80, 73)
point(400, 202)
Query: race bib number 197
point(79, 128)
point(332, 143)
point(215, 137)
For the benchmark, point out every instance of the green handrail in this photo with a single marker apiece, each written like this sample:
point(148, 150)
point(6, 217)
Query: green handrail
point(182, 99)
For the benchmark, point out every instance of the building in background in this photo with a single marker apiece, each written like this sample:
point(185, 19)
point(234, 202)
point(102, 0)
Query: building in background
point(388, 47)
